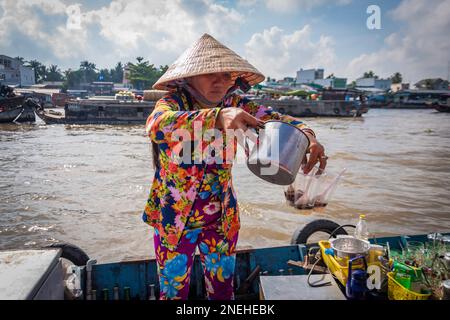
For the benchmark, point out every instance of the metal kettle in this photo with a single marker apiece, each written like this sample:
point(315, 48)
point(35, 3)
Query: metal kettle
point(278, 152)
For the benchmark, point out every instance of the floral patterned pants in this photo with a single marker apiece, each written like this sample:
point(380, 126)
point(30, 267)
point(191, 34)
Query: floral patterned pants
point(217, 254)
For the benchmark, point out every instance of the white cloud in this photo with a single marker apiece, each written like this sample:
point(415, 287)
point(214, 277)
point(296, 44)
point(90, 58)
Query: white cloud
point(287, 6)
point(419, 49)
point(157, 30)
point(19, 19)
point(247, 3)
point(278, 54)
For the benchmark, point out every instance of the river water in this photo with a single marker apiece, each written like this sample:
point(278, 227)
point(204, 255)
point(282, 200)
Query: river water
point(88, 184)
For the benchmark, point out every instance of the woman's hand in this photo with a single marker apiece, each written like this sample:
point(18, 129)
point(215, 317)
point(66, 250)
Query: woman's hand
point(236, 118)
point(317, 154)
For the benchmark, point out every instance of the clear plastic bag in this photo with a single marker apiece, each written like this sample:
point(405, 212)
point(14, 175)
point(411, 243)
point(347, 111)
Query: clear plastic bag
point(314, 189)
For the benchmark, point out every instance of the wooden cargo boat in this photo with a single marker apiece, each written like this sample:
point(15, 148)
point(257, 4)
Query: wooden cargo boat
point(133, 278)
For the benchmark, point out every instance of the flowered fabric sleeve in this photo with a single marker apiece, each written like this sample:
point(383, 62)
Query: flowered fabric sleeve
point(264, 113)
point(166, 118)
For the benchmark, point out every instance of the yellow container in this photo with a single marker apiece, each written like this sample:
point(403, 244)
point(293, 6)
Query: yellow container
point(397, 292)
point(338, 266)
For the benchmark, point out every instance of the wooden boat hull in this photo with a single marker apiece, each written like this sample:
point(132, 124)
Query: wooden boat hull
point(319, 108)
point(410, 105)
point(139, 274)
point(442, 108)
point(11, 103)
point(54, 119)
point(18, 114)
point(92, 111)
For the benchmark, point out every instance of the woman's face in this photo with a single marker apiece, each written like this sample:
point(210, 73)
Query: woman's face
point(212, 86)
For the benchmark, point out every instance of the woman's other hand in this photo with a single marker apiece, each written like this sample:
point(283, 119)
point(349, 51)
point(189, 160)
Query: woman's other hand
point(317, 154)
point(236, 118)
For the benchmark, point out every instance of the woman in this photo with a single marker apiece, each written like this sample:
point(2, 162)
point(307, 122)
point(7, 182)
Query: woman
point(194, 204)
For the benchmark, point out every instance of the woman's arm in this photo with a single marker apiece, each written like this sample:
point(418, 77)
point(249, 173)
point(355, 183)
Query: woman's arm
point(316, 150)
point(264, 113)
point(166, 118)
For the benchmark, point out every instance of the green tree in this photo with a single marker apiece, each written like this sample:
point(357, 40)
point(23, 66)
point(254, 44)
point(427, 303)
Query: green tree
point(54, 73)
point(117, 73)
point(39, 70)
point(143, 74)
point(105, 75)
point(396, 78)
point(163, 69)
point(21, 59)
point(72, 79)
point(370, 74)
point(89, 71)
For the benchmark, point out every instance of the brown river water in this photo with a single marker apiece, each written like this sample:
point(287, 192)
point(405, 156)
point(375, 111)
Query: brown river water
point(87, 185)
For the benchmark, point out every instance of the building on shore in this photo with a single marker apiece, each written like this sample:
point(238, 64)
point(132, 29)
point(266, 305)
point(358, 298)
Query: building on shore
point(309, 75)
point(375, 83)
point(332, 83)
point(14, 73)
point(315, 76)
point(399, 86)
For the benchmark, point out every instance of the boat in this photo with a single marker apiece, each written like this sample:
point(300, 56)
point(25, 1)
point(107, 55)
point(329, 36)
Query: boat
point(137, 279)
point(443, 104)
point(98, 111)
point(315, 108)
point(15, 108)
point(415, 99)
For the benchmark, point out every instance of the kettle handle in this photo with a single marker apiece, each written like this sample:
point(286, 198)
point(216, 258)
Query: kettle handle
point(350, 263)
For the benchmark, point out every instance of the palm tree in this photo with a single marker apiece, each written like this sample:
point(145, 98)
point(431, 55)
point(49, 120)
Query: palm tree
point(53, 73)
point(397, 78)
point(21, 59)
point(89, 70)
point(143, 74)
point(117, 73)
point(37, 67)
point(370, 74)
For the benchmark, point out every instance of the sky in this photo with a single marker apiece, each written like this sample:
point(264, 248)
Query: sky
point(277, 36)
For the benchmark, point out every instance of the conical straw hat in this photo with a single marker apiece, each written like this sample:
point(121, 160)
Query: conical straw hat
point(208, 55)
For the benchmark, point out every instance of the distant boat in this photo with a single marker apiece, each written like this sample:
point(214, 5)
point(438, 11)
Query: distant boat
point(98, 111)
point(443, 105)
point(316, 108)
point(15, 109)
point(416, 99)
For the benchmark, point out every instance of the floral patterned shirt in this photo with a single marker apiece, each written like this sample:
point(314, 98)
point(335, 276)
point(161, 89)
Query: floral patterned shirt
point(176, 185)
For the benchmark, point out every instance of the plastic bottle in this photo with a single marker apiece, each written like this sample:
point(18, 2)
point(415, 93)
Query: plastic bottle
point(152, 292)
point(361, 231)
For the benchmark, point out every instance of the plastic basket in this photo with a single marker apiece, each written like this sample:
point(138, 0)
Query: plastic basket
point(397, 292)
point(338, 267)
